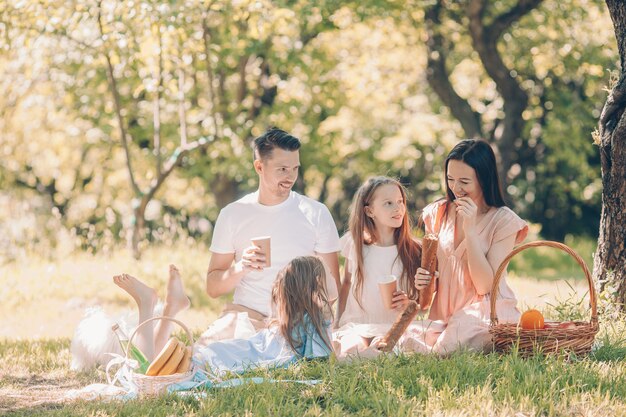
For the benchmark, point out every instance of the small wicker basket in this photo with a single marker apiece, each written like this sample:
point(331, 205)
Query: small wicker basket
point(155, 385)
point(575, 340)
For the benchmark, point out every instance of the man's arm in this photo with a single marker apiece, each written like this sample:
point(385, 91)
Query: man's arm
point(332, 262)
point(223, 276)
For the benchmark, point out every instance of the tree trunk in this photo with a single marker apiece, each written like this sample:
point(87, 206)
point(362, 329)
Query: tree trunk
point(224, 190)
point(138, 228)
point(485, 34)
point(610, 259)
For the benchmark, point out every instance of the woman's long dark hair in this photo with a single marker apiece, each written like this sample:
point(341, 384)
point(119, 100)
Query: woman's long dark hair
point(478, 155)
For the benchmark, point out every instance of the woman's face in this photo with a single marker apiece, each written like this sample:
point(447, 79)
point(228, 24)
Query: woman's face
point(463, 182)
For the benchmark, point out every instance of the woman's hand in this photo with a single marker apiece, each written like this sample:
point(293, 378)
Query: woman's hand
point(399, 300)
point(467, 210)
point(423, 278)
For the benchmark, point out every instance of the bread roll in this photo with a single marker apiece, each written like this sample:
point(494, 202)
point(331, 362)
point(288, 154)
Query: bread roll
point(172, 363)
point(162, 357)
point(185, 363)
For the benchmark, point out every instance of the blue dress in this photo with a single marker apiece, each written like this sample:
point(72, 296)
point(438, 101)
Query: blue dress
point(266, 349)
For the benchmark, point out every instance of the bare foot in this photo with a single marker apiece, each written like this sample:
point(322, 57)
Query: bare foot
point(175, 299)
point(145, 296)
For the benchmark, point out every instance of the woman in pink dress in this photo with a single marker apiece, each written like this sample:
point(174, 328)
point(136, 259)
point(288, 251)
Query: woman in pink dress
point(476, 232)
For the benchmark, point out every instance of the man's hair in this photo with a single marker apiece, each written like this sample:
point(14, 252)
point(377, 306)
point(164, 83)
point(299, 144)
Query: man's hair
point(274, 138)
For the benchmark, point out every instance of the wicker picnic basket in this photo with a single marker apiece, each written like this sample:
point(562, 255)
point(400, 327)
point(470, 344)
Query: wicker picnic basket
point(154, 385)
point(576, 339)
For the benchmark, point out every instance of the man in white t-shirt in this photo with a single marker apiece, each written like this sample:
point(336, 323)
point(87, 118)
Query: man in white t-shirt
point(297, 225)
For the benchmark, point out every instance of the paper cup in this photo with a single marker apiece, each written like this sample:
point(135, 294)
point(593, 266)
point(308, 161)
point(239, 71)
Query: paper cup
point(263, 242)
point(387, 286)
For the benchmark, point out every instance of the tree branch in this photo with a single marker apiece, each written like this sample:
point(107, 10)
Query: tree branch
point(157, 105)
point(175, 160)
point(77, 176)
point(181, 107)
point(118, 106)
point(243, 86)
point(439, 79)
point(484, 40)
point(265, 93)
point(505, 20)
point(49, 190)
point(215, 112)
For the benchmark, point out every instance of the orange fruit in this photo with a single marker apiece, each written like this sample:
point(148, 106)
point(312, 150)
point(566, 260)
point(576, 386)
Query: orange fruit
point(531, 320)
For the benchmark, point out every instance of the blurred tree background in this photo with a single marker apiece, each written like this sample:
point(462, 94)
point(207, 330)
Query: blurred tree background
point(130, 122)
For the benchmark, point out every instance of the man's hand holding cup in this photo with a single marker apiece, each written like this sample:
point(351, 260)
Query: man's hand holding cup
point(252, 259)
point(258, 256)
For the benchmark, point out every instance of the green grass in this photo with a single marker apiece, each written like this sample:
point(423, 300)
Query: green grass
point(34, 374)
point(465, 384)
point(547, 263)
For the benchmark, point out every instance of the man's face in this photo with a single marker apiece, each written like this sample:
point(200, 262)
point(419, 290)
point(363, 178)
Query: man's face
point(278, 173)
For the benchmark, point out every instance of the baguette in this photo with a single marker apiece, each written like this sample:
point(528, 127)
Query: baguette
point(389, 340)
point(429, 263)
point(185, 363)
point(162, 357)
point(172, 363)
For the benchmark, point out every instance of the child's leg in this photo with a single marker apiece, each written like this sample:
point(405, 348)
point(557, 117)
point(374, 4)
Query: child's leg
point(175, 302)
point(145, 297)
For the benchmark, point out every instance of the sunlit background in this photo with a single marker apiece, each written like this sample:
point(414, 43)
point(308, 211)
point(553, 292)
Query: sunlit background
point(126, 125)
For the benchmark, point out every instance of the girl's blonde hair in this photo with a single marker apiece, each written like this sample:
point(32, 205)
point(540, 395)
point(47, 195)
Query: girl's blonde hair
point(363, 231)
point(299, 289)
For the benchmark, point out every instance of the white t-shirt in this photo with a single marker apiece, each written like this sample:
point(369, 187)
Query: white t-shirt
point(378, 261)
point(299, 226)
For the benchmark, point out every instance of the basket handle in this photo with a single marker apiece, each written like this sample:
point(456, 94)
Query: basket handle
point(180, 323)
point(496, 282)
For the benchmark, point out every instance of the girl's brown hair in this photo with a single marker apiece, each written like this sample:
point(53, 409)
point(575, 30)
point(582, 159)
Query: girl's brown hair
point(363, 231)
point(299, 289)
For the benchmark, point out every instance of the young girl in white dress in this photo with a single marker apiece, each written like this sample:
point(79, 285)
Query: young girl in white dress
point(378, 244)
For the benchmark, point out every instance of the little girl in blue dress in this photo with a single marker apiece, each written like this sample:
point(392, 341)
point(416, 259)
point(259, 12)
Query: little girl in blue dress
point(300, 327)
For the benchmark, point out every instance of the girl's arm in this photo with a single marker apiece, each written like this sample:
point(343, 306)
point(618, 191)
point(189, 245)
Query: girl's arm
point(343, 292)
point(331, 261)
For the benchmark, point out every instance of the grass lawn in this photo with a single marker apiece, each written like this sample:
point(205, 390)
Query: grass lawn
point(42, 300)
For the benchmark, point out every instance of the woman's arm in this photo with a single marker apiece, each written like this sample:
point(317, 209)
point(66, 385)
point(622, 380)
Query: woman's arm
point(483, 267)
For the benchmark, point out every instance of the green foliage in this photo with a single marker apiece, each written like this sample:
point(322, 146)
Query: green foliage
point(557, 182)
point(349, 78)
point(551, 264)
